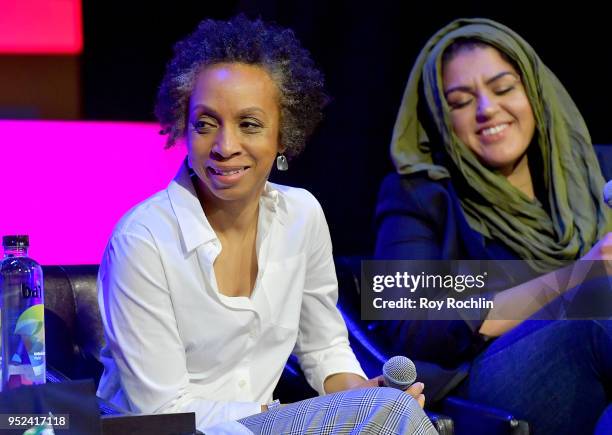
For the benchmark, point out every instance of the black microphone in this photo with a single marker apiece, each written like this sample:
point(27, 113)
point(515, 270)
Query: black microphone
point(399, 372)
point(607, 193)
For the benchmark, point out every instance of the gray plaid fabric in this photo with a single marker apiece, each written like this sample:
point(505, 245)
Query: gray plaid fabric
point(380, 411)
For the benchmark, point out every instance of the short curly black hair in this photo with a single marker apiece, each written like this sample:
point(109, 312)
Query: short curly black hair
point(253, 42)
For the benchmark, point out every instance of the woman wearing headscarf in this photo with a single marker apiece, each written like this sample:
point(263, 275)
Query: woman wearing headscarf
point(494, 161)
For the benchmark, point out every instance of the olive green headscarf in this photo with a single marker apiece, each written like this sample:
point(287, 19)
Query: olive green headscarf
point(572, 177)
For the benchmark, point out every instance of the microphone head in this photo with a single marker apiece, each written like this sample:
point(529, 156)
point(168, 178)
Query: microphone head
point(607, 193)
point(399, 372)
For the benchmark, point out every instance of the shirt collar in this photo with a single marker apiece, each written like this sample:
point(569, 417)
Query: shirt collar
point(194, 226)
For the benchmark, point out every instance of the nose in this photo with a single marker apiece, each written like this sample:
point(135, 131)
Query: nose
point(487, 107)
point(226, 144)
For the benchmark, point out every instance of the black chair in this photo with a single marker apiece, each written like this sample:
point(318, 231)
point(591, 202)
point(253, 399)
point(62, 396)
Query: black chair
point(74, 334)
point(73, 327)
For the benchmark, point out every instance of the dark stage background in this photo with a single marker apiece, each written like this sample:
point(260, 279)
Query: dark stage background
point(365, 49)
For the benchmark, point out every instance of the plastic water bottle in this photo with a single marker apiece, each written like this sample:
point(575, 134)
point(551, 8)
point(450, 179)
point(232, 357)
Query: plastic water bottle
point(21, 316)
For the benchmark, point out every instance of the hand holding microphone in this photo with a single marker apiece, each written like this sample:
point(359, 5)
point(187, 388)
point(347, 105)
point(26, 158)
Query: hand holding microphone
point(607, 193)
point(602, 250)
point(399, 372)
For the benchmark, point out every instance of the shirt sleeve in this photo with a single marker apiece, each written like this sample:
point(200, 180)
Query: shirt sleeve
point(148, 357)
point(322, 346)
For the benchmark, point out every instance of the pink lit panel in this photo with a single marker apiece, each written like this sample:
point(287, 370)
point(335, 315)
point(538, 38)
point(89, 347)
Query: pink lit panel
point(66, 184)
point(41, 26)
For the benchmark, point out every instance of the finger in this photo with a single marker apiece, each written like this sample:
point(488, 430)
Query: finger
point(416, 389)
point(378, 381)
point(381, 381)
point(421, 400)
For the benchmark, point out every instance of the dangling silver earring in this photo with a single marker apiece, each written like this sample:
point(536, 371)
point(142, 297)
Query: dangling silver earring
point(281, 162)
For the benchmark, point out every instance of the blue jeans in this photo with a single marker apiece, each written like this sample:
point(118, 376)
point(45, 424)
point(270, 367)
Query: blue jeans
point(556, 374)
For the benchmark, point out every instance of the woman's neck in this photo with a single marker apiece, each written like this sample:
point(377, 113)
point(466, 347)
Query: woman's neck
point(520, 177)
point(232, 219)
point(229, 218)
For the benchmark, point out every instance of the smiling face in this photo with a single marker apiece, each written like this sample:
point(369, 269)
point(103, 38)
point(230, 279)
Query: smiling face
point(490, 111)
point(233, 131)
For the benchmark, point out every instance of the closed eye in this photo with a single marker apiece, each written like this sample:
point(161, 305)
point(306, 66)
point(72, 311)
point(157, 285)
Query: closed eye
point(504, 90)
point(464, 99)
point(459, 103)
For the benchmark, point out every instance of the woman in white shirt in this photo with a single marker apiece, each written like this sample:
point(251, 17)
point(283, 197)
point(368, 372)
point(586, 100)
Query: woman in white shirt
point(207, 287)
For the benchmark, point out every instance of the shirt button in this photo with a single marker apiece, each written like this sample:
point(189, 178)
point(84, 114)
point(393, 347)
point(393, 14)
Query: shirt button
point(242, 383)
point(253, 333)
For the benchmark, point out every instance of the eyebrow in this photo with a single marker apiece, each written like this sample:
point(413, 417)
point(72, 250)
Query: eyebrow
point(487, 82)
point(213, 112)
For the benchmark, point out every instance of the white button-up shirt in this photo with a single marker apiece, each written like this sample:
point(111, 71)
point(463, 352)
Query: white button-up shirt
point(176, 344)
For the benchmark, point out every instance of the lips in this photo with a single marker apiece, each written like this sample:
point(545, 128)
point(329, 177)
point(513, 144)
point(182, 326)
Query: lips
point(226, 176)
point(491, 134)
point(493, 130)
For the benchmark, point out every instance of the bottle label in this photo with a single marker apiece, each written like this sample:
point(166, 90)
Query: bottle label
point(26, 364)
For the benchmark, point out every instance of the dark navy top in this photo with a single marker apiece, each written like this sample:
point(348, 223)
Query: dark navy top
point(418, 218)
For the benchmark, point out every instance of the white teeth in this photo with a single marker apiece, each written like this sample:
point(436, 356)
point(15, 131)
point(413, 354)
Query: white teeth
point(232, 172)
point(494, 130)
